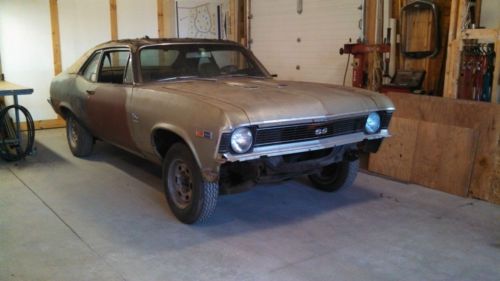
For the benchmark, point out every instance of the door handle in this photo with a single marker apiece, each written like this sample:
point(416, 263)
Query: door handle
point(91, 92)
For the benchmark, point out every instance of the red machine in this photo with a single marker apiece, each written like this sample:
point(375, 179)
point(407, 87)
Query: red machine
point(360, 63)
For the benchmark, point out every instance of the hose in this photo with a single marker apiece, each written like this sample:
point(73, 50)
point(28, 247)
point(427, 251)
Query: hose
point(11, 149)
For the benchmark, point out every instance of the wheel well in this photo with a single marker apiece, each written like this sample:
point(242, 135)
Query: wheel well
point(164, 139)
point(65, 112)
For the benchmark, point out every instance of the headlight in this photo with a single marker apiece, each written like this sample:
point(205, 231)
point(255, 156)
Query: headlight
point(241, 140)
point(372, 123)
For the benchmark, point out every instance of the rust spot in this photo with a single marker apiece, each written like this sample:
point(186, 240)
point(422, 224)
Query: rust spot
point(483, 162)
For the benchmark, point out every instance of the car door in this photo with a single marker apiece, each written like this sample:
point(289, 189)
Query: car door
point(107, 94)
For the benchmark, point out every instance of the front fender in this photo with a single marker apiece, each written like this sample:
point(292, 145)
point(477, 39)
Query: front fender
point(203, 150)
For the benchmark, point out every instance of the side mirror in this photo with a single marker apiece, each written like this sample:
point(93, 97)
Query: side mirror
point(93, 77)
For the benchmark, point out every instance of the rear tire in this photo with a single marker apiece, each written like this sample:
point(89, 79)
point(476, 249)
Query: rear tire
point(190, 198)
point(336, 176)
point(80, 141)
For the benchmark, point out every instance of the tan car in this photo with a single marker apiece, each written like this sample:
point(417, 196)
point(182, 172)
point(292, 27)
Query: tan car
point(218, 122)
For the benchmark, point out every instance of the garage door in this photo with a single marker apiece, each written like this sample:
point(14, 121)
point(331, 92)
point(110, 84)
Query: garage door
point(304, 47)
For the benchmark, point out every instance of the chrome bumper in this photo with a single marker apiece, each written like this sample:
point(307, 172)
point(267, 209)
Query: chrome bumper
point(297, 147)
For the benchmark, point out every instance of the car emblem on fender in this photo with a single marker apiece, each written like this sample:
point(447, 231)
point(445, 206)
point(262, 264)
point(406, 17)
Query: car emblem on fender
point(321, 131)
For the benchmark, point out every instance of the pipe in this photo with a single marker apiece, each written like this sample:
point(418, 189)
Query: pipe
point(392, 58)
point(248, 22)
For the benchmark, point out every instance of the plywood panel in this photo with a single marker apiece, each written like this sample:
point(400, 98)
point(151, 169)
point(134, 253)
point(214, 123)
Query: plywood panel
point(443, 157)
point(395, 157)
point(483, 117)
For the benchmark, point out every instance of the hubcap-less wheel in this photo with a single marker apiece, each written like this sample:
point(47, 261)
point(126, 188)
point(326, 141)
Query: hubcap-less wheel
point(336, 176)
point(73, 134)
point(80, 141)
point(190, 198)
point(180, 184)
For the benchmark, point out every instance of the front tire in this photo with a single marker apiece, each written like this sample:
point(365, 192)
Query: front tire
point(336, 176)
point(190, 198)
point(80, 140)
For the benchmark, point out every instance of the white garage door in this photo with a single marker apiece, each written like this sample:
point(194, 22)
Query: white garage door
point(323, 27)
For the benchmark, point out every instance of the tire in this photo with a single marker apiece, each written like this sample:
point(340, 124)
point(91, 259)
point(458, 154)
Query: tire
point(190, 198)
point(80, 141)
point(336, 176)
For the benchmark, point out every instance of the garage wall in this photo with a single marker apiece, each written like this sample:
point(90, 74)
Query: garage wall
point(323, 27)
point(137, 19)
point(26, 48)
point(82, 25)
point(26, 39)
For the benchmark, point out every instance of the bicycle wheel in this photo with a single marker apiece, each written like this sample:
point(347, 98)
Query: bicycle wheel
point(16, 141)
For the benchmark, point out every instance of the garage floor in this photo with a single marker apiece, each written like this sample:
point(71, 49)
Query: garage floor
point(105, 218)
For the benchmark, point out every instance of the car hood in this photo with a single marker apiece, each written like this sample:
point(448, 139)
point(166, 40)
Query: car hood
point(266, 100)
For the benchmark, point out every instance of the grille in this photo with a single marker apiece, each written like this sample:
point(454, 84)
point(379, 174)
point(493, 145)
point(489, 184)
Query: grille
point(285, 134)
point(303, 132)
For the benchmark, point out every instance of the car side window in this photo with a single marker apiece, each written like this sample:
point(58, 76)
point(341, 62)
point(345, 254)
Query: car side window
point(113, 66)
point(90, 71)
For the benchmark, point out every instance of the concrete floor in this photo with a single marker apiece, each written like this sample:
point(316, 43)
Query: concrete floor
point(105, 218)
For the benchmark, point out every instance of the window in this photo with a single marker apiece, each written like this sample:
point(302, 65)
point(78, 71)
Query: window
point(90, 71)
point(113, 66)
point(198, 60)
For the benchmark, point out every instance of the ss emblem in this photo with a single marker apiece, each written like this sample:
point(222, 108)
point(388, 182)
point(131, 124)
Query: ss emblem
point(321, 131)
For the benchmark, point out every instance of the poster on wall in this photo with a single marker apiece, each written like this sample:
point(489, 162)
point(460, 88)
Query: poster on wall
point(202, 19)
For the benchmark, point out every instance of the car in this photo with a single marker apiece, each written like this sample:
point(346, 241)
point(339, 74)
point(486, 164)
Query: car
point(215, 119)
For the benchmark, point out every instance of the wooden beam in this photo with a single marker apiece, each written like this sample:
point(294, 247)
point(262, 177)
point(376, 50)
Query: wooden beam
point(482, 34)
point(233, 21)
point(161, 18)
point(47, 124)
point(113, 19)
point(56, 38)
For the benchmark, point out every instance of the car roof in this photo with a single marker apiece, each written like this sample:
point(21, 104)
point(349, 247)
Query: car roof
point(134, 44)
point(137, 43)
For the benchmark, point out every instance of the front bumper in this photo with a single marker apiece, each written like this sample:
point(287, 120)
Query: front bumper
point(298, 147)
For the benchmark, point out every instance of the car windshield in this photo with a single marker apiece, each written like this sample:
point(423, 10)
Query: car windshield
point(170, 62)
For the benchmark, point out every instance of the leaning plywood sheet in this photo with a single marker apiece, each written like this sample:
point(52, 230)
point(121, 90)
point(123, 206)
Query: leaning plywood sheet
point(395, 157)
point(483, 117)
point(495, 189)
point(443, 157)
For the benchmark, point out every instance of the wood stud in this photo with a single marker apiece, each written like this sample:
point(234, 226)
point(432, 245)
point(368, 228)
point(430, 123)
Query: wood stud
point(113, 19)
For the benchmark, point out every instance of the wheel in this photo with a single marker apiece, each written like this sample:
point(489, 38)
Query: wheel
point(190, 198)
point(336, 176)
point(80, 141)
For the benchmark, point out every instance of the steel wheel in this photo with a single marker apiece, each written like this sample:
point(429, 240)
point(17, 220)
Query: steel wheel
point(190, 198)
point(335, 176)
point(80, 141)
point(180, 184)
point(72, 132)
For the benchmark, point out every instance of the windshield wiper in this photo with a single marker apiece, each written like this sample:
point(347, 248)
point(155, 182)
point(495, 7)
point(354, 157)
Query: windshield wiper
point(241, 75)
point(178, 78)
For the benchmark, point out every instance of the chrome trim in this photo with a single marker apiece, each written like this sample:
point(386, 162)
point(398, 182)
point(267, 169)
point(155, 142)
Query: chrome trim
point(302, 120)
point(297, 147)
